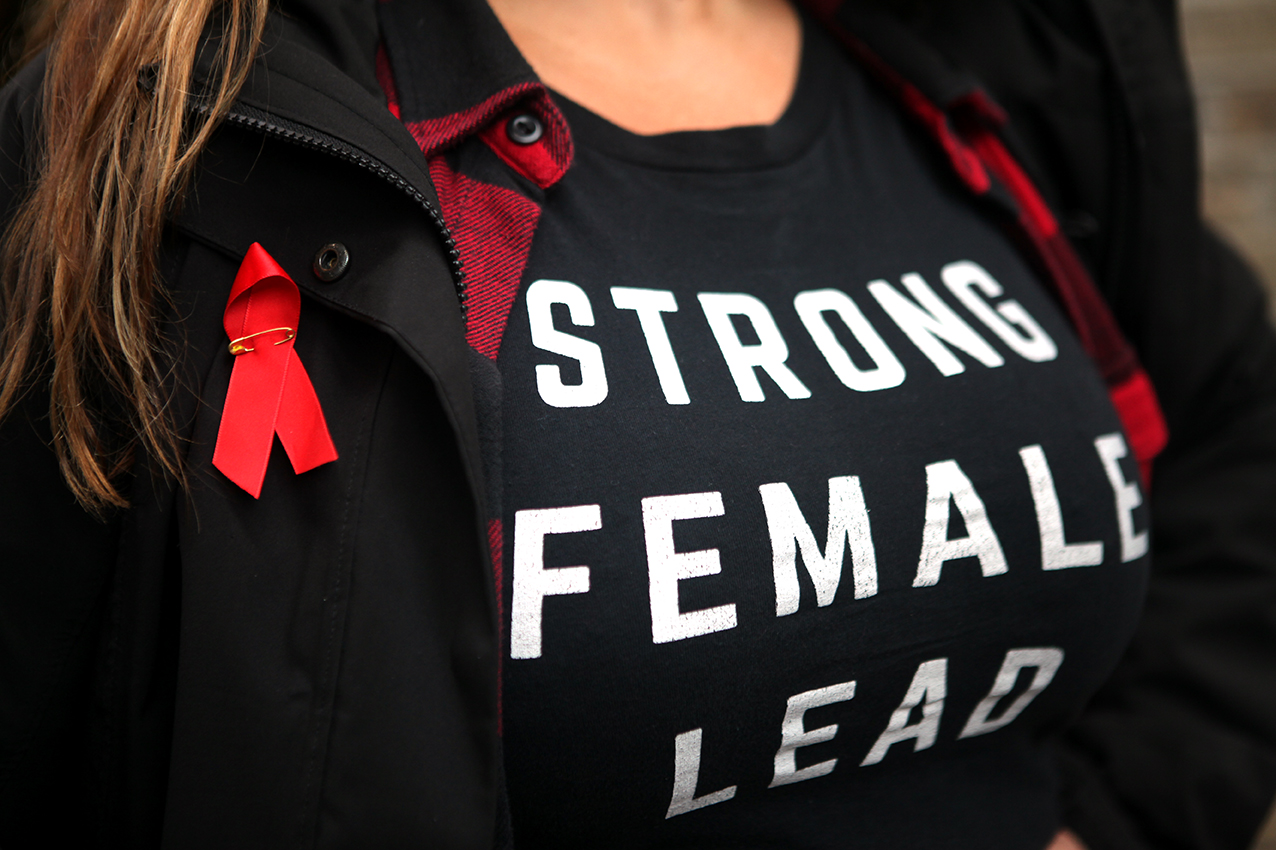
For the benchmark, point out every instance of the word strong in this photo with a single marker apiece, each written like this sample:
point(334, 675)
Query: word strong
point(931, 324)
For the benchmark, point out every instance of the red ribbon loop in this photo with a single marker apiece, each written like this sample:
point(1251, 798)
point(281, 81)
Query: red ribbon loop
point(270, 392)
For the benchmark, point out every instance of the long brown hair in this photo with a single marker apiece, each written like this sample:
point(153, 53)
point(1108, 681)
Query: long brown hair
point(79, 295)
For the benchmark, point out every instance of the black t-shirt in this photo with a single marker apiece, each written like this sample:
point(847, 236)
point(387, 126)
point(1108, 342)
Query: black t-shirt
point(817, 520)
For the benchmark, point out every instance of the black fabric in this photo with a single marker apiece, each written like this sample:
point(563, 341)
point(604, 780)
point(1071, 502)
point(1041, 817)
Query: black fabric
point(1178, 750)
point(358, 615)
point(254, 764)
point(344, 32)
point(51, 613)
point(464, 37)
point(732, 149)
point(840, 192)
point(53, 597)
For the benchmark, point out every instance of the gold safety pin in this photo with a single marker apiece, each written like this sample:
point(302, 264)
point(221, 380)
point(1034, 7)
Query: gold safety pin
point(237, 345)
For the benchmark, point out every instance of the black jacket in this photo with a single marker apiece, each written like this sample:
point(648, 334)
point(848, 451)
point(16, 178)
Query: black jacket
point(319, 667)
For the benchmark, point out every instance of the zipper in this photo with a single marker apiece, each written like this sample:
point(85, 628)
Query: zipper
point(299, 134)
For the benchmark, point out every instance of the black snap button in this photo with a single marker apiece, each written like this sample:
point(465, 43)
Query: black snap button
point(331, 262)
point(524, 129)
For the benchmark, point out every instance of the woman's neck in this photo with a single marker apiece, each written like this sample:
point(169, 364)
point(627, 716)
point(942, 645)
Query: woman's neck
point(659, 66)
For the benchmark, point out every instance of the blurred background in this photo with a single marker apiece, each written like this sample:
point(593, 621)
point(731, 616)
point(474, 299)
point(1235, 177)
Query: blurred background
point(1231, 47)
point(1231, 51)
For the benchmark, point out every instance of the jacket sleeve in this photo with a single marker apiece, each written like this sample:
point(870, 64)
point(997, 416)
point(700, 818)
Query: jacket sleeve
point(55, 565)
point(1178, 750)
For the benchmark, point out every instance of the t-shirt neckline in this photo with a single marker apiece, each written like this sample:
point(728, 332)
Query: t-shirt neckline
point(731, 149)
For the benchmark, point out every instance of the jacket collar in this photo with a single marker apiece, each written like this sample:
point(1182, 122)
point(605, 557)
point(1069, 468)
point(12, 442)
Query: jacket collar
point(885, 32)
point(314, 82)
point(449, 56)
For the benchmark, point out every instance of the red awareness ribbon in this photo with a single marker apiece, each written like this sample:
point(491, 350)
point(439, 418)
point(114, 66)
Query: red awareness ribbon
point(270, 392)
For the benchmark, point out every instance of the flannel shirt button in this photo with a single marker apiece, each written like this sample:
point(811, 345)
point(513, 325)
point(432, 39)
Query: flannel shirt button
point(331, 262)
point(524, 129)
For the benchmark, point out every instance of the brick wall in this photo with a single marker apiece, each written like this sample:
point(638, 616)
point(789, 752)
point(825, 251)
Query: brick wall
point(1231, 47)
